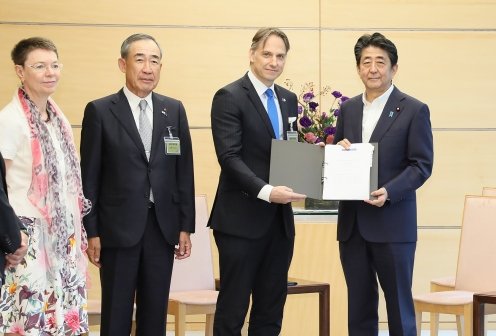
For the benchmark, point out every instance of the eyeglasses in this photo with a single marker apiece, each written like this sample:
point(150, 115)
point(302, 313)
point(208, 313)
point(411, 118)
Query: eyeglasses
point(42, 67)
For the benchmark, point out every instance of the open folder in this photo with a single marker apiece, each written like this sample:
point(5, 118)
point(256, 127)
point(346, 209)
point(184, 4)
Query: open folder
point(329, 173)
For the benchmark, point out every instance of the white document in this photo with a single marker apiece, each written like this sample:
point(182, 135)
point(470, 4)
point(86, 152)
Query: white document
point(346, 172)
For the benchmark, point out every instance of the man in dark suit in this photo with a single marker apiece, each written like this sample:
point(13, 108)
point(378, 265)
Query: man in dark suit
point(377, 238)
point(137, 169)
point(13, 240)
point(252, 220)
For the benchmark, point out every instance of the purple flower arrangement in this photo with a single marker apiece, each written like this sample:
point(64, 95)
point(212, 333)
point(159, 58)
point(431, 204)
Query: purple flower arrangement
point(314, 125)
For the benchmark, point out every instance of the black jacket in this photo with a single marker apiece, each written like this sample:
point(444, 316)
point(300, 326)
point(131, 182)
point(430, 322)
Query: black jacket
point(10, 225)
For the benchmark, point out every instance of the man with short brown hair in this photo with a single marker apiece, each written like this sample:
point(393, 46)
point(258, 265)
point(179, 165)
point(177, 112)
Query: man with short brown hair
point(252, 220)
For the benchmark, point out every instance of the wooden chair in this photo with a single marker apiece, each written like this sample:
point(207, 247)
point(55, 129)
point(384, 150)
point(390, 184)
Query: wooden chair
point(447, 283)
point(476, 267)
point(193, 284)
point(488, 191)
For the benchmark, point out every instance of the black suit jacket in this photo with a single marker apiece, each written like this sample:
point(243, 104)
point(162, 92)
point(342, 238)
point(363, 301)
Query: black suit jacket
point(242, 134)
point(117, 175)
point(10, 225)
point(405, 162)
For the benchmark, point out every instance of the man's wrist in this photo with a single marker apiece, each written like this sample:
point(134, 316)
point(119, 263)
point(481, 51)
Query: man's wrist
point(265, 192)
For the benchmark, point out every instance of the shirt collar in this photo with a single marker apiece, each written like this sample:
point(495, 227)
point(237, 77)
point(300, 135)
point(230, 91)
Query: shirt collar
point(134, 100)
point(259, 86)
point(382, 99)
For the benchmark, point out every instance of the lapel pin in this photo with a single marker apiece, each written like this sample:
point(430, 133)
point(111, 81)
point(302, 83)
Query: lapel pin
point(391, 113)
point(397, 109)
point(283, 99)
point(164, 112)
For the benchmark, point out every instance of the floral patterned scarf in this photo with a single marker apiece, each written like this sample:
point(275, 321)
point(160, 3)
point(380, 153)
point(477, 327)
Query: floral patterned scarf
point(46, 191)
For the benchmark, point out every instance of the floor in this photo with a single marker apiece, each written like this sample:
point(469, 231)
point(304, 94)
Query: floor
point(382, 333)
point(169, 333)
point(441, 333)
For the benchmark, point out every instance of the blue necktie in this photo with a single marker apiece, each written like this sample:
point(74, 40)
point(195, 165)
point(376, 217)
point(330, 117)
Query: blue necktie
point(272, 111)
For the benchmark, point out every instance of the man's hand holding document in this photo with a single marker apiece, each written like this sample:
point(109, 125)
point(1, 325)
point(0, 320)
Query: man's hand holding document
point(333, 172)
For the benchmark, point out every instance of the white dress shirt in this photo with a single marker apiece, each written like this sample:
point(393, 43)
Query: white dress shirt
point(260, 87)
point(134, 101)
point(372, 112)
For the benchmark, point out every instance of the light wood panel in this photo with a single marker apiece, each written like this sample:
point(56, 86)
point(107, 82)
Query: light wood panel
point(206, 167)
point(459, 169)
point(412, 14)
point(464, 162)
point(316, 257)
point(446, 58)
point(195, 79)
point(439, 68)
point(196, 63)
point(440, 203)
point(156, 12)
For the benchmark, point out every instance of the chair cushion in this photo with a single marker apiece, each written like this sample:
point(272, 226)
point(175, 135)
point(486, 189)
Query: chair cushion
point(448, 298)
point(200, 297)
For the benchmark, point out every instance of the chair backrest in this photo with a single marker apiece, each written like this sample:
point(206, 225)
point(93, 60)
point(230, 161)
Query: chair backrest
point(476, 268)
point(488, 191)
point(196, 272)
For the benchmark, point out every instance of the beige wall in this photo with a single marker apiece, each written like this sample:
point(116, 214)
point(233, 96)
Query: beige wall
point(446, 58)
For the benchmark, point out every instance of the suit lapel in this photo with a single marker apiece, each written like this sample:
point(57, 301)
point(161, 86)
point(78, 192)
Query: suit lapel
point(2, 170)
point(160, 115)
point(391, 111)
point(356, 110)
point(284, 111)
point(257, 103)
point(122, 111)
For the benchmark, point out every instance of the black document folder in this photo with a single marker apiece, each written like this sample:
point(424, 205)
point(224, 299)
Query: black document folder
point(300, 166)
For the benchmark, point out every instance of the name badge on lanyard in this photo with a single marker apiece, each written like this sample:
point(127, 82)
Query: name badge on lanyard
point(172, 145)
point(291, 135)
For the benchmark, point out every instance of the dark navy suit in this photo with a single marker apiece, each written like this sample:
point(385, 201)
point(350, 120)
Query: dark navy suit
point(137, 238)
point(381, 241)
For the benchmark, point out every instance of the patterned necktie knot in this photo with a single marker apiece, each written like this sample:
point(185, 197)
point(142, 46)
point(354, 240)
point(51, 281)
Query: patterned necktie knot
point(142, 105)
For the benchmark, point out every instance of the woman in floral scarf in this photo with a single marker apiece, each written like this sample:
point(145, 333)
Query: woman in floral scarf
point(46, 293)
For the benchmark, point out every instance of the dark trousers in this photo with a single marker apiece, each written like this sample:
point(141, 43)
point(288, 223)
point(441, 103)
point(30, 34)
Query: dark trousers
point(143, 272)
point(252, 266)
point(392, 264)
